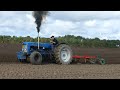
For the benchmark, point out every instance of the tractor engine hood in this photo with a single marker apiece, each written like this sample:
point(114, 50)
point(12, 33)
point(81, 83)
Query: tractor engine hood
point(45, 45)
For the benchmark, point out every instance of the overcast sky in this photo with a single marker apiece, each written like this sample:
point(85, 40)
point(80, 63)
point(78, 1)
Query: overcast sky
point(89, 24)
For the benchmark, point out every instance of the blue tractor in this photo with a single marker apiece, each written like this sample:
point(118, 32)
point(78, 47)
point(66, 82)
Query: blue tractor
point(61, 53)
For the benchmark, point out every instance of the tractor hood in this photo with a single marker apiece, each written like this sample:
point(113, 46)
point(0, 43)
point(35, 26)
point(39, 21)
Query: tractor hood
point(45, 45)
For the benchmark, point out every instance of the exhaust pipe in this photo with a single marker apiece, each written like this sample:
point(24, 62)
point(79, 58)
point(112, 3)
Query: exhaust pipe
point(38, 40)
point(38, 30)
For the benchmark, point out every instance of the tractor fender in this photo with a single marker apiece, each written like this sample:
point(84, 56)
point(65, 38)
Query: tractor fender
point(60, 44)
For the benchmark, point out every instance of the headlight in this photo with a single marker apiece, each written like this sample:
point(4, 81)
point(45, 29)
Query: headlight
point(25, 50)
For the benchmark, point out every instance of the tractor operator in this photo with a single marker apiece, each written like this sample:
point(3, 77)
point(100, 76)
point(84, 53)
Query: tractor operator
point(54, 41)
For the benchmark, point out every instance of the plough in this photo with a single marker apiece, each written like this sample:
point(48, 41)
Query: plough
point(90, 59)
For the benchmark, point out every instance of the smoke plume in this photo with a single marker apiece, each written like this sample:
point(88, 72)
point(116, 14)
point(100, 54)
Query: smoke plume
point(39, 16)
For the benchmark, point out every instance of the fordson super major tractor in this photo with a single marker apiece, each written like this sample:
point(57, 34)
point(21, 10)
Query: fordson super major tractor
point(31, 52)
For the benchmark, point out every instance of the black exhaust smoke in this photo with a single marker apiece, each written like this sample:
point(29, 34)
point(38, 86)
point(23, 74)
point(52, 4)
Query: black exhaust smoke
point(39, 16)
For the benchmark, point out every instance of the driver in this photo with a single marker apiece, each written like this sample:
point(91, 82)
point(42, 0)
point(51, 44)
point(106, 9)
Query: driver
point(53, 40)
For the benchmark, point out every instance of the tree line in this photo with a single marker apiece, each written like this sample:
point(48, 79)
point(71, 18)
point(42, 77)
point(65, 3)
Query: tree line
point(69, 39)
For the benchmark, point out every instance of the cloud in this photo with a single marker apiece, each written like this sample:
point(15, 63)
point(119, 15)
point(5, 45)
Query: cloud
point(85, 15)
point(89, 24)
point(17, 23)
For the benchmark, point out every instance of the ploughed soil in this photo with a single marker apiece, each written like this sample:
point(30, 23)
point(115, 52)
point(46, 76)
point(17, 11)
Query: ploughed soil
point(10, 68)
point(53, 71)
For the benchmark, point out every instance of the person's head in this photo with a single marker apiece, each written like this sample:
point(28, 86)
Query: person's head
point(52, 37)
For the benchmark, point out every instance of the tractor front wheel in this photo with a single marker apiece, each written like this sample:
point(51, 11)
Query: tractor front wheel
point(35, 58)
point(63, 54)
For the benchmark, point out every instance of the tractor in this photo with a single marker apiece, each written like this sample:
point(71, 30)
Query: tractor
point(35, 53)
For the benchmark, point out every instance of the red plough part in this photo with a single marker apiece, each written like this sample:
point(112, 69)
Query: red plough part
point(84, 57)
point(90, 59)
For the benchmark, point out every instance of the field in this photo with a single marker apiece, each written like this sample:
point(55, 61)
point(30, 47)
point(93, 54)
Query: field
point(10, 68)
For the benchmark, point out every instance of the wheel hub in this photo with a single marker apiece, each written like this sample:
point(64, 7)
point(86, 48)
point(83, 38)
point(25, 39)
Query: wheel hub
point(65, 54)
point(36, 57)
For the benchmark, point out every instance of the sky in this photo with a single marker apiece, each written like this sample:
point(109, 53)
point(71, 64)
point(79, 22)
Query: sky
point(88, 24)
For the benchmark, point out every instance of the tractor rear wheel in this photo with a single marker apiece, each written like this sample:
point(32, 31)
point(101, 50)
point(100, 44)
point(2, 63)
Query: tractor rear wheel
point(35, 58)
point(63, 54)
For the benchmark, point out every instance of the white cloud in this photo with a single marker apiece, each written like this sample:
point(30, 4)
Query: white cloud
point(85, 15)
point(90, 24)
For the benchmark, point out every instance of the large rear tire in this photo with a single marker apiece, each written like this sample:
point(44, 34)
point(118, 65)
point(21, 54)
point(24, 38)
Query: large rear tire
point(36, 58)
point(63, 54)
